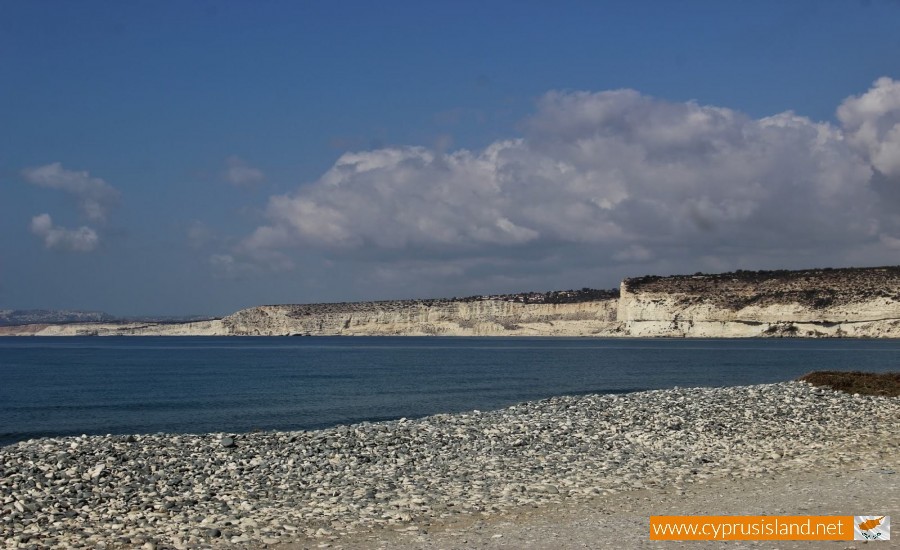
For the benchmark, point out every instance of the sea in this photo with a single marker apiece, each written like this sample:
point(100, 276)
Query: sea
point(134, 385)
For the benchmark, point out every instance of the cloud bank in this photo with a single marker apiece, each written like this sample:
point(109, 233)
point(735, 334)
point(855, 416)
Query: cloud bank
point(611, 178)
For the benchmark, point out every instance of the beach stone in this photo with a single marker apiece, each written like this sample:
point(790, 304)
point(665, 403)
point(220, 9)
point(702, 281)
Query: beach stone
point(96, 471)
point(227, 442)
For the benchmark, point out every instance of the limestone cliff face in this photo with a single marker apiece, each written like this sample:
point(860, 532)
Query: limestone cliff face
point(435, 318)
point(839, 302)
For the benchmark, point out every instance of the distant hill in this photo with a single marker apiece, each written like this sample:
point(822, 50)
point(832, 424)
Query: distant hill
point(10, 317)
point(16, 317)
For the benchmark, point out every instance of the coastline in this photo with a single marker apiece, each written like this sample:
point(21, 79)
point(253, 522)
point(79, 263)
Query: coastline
point(351, 482)
point(813, 303)
point(888, 328)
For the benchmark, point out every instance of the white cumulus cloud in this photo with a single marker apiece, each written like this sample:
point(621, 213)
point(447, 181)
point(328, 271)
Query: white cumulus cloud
point(872, 125)
point(607, 178)
point(95, 197)
point(82, 239)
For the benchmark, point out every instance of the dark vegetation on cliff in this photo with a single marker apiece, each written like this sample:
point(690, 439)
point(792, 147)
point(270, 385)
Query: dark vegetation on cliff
point(863, 383)
point(552, 297)
point(814, 288)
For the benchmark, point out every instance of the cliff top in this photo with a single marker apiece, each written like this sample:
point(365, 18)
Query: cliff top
point(816, 288)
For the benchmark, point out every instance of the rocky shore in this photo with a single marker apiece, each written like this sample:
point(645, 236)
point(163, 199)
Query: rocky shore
point(320, 487)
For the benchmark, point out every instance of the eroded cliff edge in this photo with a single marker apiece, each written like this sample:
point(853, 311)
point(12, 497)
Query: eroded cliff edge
point(852, 302)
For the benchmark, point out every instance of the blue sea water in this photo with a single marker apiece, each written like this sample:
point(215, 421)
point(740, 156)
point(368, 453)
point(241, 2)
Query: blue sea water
point(70, 386)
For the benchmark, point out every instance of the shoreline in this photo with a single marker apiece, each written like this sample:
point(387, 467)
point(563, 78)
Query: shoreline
point(272, 488)
point(612, 335)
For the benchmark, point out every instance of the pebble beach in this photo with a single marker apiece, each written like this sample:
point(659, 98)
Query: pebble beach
point(317, 488)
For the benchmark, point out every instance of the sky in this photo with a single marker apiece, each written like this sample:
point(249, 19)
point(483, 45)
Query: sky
point(193, 157)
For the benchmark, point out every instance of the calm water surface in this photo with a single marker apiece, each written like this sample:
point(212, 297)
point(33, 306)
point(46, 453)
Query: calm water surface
point(70, 386)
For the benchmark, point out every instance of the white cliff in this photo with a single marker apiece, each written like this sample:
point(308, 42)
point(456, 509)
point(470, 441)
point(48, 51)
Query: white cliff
point(434, 318)
point(810, 303)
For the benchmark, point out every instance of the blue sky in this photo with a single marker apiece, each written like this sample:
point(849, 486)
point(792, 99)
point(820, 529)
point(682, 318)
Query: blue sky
point(199, 157)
